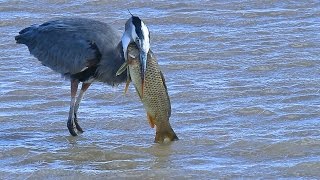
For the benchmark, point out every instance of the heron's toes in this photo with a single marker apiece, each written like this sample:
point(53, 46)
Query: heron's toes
point(72, 127)
point(80, 130)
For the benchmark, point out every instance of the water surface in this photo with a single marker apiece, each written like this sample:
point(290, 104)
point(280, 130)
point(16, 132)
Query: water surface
point(243, 78)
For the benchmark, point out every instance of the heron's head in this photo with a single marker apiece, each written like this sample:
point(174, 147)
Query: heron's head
point(136, 31)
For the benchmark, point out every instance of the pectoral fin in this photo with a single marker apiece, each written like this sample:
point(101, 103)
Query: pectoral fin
point(151, 120)
point(128, 81)
point(122, 68)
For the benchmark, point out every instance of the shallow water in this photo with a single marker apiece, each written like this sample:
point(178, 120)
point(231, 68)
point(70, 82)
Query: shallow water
point(243, 77)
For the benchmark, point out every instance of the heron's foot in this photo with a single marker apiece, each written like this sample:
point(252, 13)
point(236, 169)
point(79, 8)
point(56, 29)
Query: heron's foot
point(74, 127)
point(80, 130)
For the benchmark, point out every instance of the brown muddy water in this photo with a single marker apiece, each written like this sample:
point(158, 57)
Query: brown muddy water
point(243, 77)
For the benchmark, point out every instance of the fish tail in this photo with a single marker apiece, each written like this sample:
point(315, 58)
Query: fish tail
point(165, 135)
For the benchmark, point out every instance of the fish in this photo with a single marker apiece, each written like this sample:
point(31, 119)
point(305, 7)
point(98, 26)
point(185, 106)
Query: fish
point(153, 93)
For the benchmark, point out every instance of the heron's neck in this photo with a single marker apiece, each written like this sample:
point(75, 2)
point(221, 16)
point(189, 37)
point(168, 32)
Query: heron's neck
point(120, 52)
point(110, 64)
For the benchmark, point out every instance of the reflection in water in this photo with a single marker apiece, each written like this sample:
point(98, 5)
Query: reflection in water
point(161, 154)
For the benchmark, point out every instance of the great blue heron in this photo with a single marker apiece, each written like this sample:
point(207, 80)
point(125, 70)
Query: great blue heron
point(84, 50)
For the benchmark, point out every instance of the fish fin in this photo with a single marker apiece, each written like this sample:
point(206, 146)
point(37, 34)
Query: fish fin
point(165, 86)
point(165, 135)
point(128, 81)
point(122, 68)
point(151, 120)
point(163, 80)
point(127, 86)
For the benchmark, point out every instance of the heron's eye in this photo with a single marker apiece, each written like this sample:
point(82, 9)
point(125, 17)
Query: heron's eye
point(137, 40)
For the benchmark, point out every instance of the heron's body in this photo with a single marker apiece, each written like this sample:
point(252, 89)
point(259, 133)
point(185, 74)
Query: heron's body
point(79, 48)
point(83, 50)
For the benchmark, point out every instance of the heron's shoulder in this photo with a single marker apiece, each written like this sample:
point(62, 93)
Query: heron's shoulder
point(75, 25)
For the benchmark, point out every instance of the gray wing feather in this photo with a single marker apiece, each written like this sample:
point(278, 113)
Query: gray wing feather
point(65, 45)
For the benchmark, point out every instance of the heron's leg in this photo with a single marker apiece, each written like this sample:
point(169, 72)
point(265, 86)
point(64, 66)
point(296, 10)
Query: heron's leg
point(71, 124)
point(84, 88)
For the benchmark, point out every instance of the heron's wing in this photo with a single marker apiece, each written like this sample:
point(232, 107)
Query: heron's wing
point(69, 46)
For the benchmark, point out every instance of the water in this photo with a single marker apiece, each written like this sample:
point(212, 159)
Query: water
point(243, 77)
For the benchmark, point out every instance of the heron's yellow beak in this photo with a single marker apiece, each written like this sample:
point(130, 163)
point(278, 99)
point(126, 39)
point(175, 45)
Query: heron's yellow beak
point(143, 62)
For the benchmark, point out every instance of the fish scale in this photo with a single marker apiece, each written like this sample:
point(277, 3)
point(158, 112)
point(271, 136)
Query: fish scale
point(155, 96)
